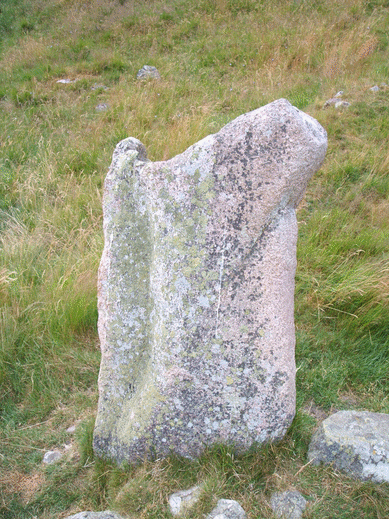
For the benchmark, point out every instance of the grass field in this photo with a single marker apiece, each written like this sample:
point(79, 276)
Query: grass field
point(218, 59)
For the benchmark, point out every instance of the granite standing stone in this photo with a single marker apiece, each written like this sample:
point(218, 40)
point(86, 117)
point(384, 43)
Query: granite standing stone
point(196, 288)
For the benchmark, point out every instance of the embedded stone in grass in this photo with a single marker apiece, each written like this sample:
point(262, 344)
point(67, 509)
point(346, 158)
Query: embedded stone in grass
point(52, 457)
point(95, 515)
point(227, 509)
point(102, 107)
point(66, 81)
point(97, 86)
point(288, 505)
point(148, 72)
point(355, 442)
point(196, 288)
point(184, 499)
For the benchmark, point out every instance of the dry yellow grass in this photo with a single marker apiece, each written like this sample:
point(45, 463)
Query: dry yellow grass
point(27, 53)
point(25, 485)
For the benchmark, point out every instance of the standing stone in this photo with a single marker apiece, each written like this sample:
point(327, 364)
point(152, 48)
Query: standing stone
point(196, 288)
point(356, 442)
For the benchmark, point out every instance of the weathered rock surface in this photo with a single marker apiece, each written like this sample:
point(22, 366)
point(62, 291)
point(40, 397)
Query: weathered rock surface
point(356, 442)
point(102, 107)
point(196, 288)
point(95, 515)
point(183, 500)
point(336, 101)
point(52, 457)
point(227, 509)
point(288, 505)
point(148, 72)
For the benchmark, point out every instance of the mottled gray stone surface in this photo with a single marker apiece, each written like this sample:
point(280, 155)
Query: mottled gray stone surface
point(356, 442)
point(227, 509)
point(288, 505)
point(148, 72)
point(52, 457)
point(196, 288)
point(183, 500)
point(95, 515)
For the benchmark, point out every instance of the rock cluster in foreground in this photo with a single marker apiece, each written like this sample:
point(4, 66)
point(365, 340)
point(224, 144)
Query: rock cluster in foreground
point(355, 442)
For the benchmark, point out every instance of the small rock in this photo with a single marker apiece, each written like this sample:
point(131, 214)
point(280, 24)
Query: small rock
point(356, 442)
point(335, 101)
point(330, 102)
point(183, 500)
point(102, 107)
point(375, 88)
point(342, 104)
point(227, 509)
point(97, 86)
point(95, 515)
point(288, 505)
point(51, 457)
point(147, 71)
point(339, 94)
point(71, 429)
point(66, 81)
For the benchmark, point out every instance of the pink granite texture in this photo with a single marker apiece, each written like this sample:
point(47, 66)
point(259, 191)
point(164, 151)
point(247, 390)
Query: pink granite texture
point(196, 288)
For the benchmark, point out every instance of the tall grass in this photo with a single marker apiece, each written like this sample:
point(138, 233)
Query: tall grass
point(217, 59)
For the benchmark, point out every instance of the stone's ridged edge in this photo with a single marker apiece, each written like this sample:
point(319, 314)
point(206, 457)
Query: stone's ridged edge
point(129, 153)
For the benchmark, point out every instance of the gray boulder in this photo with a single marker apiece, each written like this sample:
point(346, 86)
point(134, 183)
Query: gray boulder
point(196, 288)
point(227, 509)
point(288, 505)
point(355, 442)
